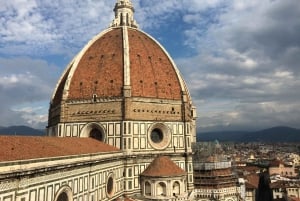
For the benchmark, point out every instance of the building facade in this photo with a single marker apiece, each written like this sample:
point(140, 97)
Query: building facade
point(277, 167)
point(214, 177)
point(122, 92)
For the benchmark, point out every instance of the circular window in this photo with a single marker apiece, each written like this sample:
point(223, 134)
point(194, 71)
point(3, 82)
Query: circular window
point(159, 136)
point(156, 135)
point(110, 186)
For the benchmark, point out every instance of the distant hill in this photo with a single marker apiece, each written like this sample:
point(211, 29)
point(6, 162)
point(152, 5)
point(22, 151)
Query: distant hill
point(21, 130)
point(221, 136)
point(275, 134)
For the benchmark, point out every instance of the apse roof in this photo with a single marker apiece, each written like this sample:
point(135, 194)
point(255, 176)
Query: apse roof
point(163, 166)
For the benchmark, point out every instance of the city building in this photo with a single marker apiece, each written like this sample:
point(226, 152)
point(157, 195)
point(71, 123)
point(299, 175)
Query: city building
point(214, 176)
point(286, 189)
point(121, 125)
point(277, 167)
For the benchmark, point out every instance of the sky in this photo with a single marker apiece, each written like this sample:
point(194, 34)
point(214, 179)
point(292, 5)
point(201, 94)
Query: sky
point(240, 58)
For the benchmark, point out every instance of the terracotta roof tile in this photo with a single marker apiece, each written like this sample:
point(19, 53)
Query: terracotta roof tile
point(148, 60)
point(14, 148)
point(163, 166)
point(100, 70)
point(250, 169)
point(276, 163)
point(253, 179)
point(250, 186)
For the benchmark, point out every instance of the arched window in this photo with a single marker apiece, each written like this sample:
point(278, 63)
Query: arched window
point(94, 130)
point(147, 188)
point(63, 197)
point(64, 194)
point(176, 188)
point(161, 189)
point(121, 19)
point(96, 134)
point(127, 19)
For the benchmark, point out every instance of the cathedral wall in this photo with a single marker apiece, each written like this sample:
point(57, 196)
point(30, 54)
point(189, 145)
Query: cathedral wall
point(134, 134)
point(137, 145)
point(153, 111)
point(84, 183)
point(157, 110)
point(93, 110)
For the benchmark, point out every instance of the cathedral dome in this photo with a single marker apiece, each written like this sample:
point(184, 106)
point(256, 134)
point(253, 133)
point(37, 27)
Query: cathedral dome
point(121, 74)
point(118, 58)
point(122, 61)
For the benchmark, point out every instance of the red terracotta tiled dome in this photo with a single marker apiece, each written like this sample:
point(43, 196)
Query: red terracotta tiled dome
point(120, 57)
point(121, 74)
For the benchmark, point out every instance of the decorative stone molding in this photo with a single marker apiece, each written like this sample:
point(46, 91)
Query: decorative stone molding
point(159, 136)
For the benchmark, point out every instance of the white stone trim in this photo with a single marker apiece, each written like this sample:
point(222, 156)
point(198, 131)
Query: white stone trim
point(126, 57)
point(167, 136)
point(32, 164)
point(61, 78)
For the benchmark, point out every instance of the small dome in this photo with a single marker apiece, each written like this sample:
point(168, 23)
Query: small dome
point(163, 166)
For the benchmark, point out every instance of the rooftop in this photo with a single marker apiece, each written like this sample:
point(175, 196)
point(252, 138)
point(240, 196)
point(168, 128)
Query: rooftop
point(14, 148)
point(163, 166)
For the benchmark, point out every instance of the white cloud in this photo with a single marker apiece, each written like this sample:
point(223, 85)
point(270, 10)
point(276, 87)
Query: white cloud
point(247, 54)
point(25, 81)
point(244, 72)
point(38, 27)
point(33, 116)
point(15, 79)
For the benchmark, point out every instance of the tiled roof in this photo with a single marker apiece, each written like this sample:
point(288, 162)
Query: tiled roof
point(100, 69)
point(250, 169)
point(276, 163)
point(152, 73)
point(253, 179)
point(250, 186)
point(163, 166)
point(14, 148)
